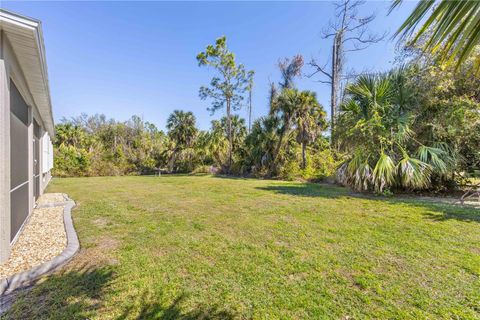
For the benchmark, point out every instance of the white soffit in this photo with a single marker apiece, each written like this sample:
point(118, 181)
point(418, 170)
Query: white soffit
point(25, 36)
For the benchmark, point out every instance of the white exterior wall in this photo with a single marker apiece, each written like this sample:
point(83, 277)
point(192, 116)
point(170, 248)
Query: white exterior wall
point(46, 160)
point(47, 153)
point(10, 70)
point(4, 156)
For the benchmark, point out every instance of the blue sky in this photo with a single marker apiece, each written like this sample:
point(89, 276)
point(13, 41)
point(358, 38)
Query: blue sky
point(125, 58)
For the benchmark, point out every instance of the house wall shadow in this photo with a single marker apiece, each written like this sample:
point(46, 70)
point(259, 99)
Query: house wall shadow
point(151, 308)
point(79, 293)
point(67, 294)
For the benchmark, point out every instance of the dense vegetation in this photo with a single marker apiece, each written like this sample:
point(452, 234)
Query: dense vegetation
point(415, 127)
point(288, 143)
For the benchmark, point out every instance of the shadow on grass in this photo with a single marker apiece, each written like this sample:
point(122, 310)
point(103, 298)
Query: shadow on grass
point(308, 190)
point(80, 294)
point(157, 311)
point(444, 211)
point(437, 209)
point(69, 294)
point(229, 177)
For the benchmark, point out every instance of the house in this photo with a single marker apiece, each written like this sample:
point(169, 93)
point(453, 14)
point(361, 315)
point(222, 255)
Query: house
point(26, 124)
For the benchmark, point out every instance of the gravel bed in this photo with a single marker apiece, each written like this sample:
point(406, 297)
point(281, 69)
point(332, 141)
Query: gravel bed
point(47, 198)
point(42, 239)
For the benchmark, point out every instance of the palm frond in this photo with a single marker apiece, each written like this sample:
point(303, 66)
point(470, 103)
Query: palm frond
point(433, 157)
point(453, 28)
point(404, 131)
point(413, 173)
point(372, 93)
point(358, 172)
point(384, 172)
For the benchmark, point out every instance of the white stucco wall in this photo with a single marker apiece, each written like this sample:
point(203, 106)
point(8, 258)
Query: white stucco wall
point(4, 157)
point(11, 70)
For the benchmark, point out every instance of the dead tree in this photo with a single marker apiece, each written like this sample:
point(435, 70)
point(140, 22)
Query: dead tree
point(249, 89)
point(350, 33)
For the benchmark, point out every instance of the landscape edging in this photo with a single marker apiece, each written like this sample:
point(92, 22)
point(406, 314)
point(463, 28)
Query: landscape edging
point(26, 278)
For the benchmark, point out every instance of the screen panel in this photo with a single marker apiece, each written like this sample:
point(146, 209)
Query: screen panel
point(18, 106)
point(19, 162)
point(18, 152)
point(19, 207)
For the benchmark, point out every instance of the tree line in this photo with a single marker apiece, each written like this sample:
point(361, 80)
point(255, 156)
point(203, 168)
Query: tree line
point(287, 143)
point(414, 127)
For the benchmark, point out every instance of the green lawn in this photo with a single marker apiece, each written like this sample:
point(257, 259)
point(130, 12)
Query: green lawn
point(202, 247)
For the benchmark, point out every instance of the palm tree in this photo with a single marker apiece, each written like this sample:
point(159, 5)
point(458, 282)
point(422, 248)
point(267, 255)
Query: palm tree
point(301, 111)
point(285, 106)
point(375, 128)
point(261, 142)
point(181, 131)
point(181, 128)
point(218, 141)
point(363, 133)
point(218, 144)
point(68, 134)
point(452, 28)
point(203, 149)
point(310, 121)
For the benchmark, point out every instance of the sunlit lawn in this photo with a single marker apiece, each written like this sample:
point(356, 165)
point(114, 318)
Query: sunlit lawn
point(199, 247)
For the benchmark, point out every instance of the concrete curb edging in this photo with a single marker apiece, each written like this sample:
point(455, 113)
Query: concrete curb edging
point(26, 278)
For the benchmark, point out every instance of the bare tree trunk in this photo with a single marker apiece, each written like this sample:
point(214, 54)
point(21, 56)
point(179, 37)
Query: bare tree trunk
point(304, 155)
point(347, 28)
point(229, 133)
point(337, 63)
point(250, 111)
point(333, 94)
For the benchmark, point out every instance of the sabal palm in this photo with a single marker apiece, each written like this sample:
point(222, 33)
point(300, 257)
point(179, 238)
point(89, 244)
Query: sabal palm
point(181, 128)
point(374, 125)
point(181, 131)
point(262, 140)
point(68, 134)
point(310, 121)
point(203, 147)
point(285, 107)
point(372, 94)
point(364, 113)
point(452, 28)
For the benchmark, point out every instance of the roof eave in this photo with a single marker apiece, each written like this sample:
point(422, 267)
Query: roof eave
point(35, 26)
